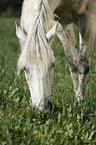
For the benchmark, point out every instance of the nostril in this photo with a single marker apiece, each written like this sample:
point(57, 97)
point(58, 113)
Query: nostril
point(48, 105)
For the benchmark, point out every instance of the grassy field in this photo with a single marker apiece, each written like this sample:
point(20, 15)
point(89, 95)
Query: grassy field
point(70, 124)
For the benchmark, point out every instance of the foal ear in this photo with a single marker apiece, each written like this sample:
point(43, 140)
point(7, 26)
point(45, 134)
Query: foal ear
point(20, 33)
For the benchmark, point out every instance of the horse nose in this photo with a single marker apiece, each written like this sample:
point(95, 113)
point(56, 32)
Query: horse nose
point(39, 108)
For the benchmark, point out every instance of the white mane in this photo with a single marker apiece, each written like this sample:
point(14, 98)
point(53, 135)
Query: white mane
point(37, 50)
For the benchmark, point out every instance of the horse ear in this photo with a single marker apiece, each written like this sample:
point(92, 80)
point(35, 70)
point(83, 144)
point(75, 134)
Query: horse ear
point(51, 33)
point(20, 33)
point(56, 28)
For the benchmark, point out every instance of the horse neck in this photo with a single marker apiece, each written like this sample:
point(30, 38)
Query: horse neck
point(36, 19)
point(35, 12)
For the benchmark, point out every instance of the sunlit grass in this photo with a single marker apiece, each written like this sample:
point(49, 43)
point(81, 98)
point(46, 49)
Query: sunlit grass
point(69, 124)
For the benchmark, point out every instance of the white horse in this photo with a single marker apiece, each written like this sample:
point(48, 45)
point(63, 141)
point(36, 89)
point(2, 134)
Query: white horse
point(40, 21)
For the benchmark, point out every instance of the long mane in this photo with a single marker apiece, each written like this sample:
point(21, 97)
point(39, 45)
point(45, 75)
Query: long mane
point(37, 50)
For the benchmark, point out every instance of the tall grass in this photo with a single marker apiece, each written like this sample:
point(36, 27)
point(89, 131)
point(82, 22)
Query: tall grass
point(70, 123)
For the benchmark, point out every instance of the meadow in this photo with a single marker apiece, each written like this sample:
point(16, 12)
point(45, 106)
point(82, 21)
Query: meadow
point(68, 124)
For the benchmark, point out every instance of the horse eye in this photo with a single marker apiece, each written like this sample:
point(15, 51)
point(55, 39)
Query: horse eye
point(52, 65)
point(26, 69)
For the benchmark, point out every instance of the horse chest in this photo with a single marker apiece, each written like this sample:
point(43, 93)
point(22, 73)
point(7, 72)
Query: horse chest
point(70, 10)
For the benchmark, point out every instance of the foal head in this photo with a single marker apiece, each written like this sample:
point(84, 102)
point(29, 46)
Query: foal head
point(38, 65)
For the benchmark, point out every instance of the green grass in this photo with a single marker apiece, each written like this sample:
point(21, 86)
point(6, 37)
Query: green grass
point(70, 124)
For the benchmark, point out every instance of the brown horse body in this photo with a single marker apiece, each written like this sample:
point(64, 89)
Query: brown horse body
point(83, 14)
